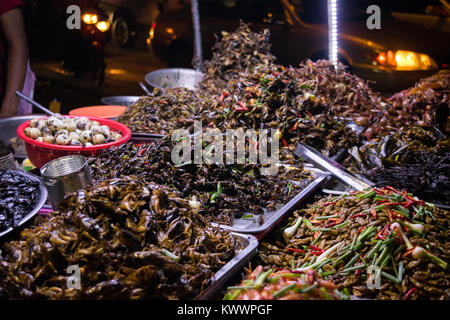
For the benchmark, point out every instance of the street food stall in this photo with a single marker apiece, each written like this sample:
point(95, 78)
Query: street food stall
point(368, 201)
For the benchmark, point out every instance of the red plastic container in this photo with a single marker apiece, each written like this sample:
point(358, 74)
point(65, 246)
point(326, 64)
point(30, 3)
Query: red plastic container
point(40, 153)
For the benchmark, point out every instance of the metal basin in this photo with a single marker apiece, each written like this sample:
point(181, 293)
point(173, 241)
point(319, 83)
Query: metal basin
point(119, 100)
point(42, 199)
point(174, 78)
point(8, 126)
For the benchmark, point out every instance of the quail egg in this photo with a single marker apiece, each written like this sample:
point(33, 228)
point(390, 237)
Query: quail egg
point(98, 139)
point(115, 135)
point(62, 131)
point(75, 142)
point(63, 139)
point(48, 139)
point(32, 133)
point(86, 136)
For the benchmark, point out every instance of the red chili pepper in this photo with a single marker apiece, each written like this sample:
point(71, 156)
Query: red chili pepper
point(284, 142)
point(316, 234)
point(408, 252)
point(357, 273)
point(378, 191)
point(392, 189)
point(382, 233)
point(296, 250)
point(328, 203)
point(223, 96)
point(241, 107)
point(373, 212)
point(316, 250)
point(294, 127)
point(361, 229)
point(409, 204)
point(409, 293)
point(395, 203)
point(340, 220)
point(357, 215)
point(141, 152)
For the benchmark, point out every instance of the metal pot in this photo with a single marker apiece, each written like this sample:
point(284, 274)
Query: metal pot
point(120, 100)
point(64, 175)
point(174, 78)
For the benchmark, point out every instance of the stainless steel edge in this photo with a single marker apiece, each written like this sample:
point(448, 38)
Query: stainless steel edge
point(232, 266)
point(331, 166)
point(279, 214)
point(42, 199)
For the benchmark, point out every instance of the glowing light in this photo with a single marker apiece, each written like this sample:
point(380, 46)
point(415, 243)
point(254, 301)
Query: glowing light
point(332, 32)
point(115, 71)
point(169, 30)
point(103, 26)
point(90, 18)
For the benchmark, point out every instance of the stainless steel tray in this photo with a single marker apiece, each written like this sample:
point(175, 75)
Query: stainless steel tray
point(272, 218)
point(233, 266)
point(39, 205)
point(145, 138)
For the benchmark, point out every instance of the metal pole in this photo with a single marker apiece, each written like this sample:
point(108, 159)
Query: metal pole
point(332, 32)
point(198, 59)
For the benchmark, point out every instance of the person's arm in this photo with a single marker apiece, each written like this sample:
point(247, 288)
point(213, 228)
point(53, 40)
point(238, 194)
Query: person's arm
point(17, 57)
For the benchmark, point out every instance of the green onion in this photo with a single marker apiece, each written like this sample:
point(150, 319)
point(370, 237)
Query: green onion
point(259, 282)
point(373, 250)
point(341, 225)
point(375, 256)
point(342, 258)
point(326, 217)
point(400, 271)
point(325, 274)
point(368, 194)
point(247, 216)
point(241, 288)
point(390, 277)
point(217, 193)
point(232, 295)
point(353, 242)
point(394, 266)
point(307, 289)
point(325, 293)
point(359, 266)
point(341, 295)
point(352, 261)
point(317, 238)
point(282, 291)
point(365, 233)
point(170, 255)
point(383, 255)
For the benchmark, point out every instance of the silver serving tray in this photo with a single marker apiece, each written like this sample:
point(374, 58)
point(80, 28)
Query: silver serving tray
point(273, 218)
point(35, 210)
point(232, 266)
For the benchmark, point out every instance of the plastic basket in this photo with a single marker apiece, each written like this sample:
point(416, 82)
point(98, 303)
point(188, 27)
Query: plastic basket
point(40, 153)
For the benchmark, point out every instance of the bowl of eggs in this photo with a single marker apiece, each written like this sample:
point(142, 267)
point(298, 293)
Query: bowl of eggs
point(56, 136)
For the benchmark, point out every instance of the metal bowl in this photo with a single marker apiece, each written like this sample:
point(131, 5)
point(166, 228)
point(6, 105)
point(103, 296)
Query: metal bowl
point(35, 210)
point(119, 100)
point(8, 126)
point(174, 78)
point(64, 175)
